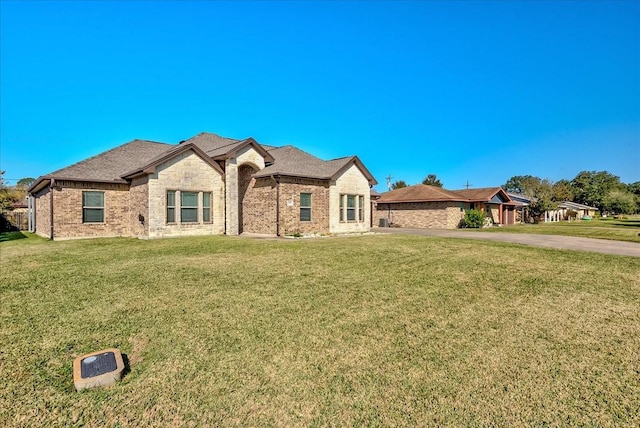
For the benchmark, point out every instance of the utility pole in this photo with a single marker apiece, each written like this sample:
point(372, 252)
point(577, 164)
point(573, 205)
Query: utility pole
point(389, 177)
point(468, 185)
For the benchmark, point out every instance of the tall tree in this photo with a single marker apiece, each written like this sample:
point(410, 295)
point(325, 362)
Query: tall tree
point(398, 184)
point(620, 202)
point(538, 189)
point(635, 189)
point(524, 184)
point(25, 182)
point(432, 180)
point(592, 187)
point(562, 191)
point(7, 195)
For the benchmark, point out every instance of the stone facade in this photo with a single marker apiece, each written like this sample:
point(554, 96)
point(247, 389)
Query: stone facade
point(350, 182)
point(429, 215)
point(186, 172)
point(246, 156)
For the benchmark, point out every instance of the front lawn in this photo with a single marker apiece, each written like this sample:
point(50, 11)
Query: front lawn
point(627, 229)
point(382, 330)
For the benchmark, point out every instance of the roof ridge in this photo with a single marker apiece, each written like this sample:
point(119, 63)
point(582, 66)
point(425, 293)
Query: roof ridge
point(108, 151)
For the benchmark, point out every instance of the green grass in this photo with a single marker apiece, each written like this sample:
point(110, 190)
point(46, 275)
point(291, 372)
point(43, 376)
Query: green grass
point(369, 331)
point(619, 230)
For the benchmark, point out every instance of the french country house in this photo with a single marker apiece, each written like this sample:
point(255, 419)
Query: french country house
point(206, 185)
point(424, 206)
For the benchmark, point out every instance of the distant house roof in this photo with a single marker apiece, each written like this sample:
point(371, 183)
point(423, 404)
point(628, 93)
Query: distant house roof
point(420, 193)
point(519, 197)
point(426, 193)
point(141, 157)
point(485, 194)
point(575, 206)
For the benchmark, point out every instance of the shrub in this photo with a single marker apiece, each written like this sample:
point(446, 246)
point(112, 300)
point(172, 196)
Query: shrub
point(570, 214)
point(473, 219)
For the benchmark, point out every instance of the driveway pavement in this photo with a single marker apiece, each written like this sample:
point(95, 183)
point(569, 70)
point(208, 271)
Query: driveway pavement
point(605, 246)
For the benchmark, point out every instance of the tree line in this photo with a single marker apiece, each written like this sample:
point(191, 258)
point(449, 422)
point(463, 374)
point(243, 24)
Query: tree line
point(12, 194)
point(599, 189)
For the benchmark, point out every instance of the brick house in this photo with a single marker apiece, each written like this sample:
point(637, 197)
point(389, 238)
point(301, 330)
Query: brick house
point(206, 185)
point(424, 206)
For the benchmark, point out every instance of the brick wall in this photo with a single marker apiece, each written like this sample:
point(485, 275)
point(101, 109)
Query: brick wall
point(259, 207)
point(139, 207)
point(67, 210)
point(42, 205)
point(290, 189)
point(429, 215)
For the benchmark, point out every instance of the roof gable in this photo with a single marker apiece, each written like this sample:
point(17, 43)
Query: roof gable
point(348, 162)
point(153, 164)
point(220, 148)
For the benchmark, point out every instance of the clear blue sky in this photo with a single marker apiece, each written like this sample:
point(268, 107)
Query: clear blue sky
point(477, 91)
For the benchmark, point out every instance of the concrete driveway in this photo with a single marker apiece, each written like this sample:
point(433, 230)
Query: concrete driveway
point(604, 246)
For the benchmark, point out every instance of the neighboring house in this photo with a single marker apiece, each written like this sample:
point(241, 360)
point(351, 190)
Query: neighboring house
point(564, 211)
point(494, 202)
point(206, 185)
point(424, 206)
point(568, 210)
point(522, 206)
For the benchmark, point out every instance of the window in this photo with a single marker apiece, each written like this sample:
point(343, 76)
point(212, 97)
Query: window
point(93, 207)
point(351, 208)
point(193, 207)
point(171, 206)
point(206, 207)
point(188, 207)
point(305, 206)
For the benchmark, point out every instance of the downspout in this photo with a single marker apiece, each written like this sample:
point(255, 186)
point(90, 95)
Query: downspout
point(51, 184)
point(277, 205)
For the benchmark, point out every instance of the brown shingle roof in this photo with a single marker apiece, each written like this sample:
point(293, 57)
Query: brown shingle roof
point(150, 166)
point(420, 193)
point(135, 157)
point(482, 194)
point(218, 147)
point(213, 144)
point(289, 160)
point(293, 162)
point(109, 166)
